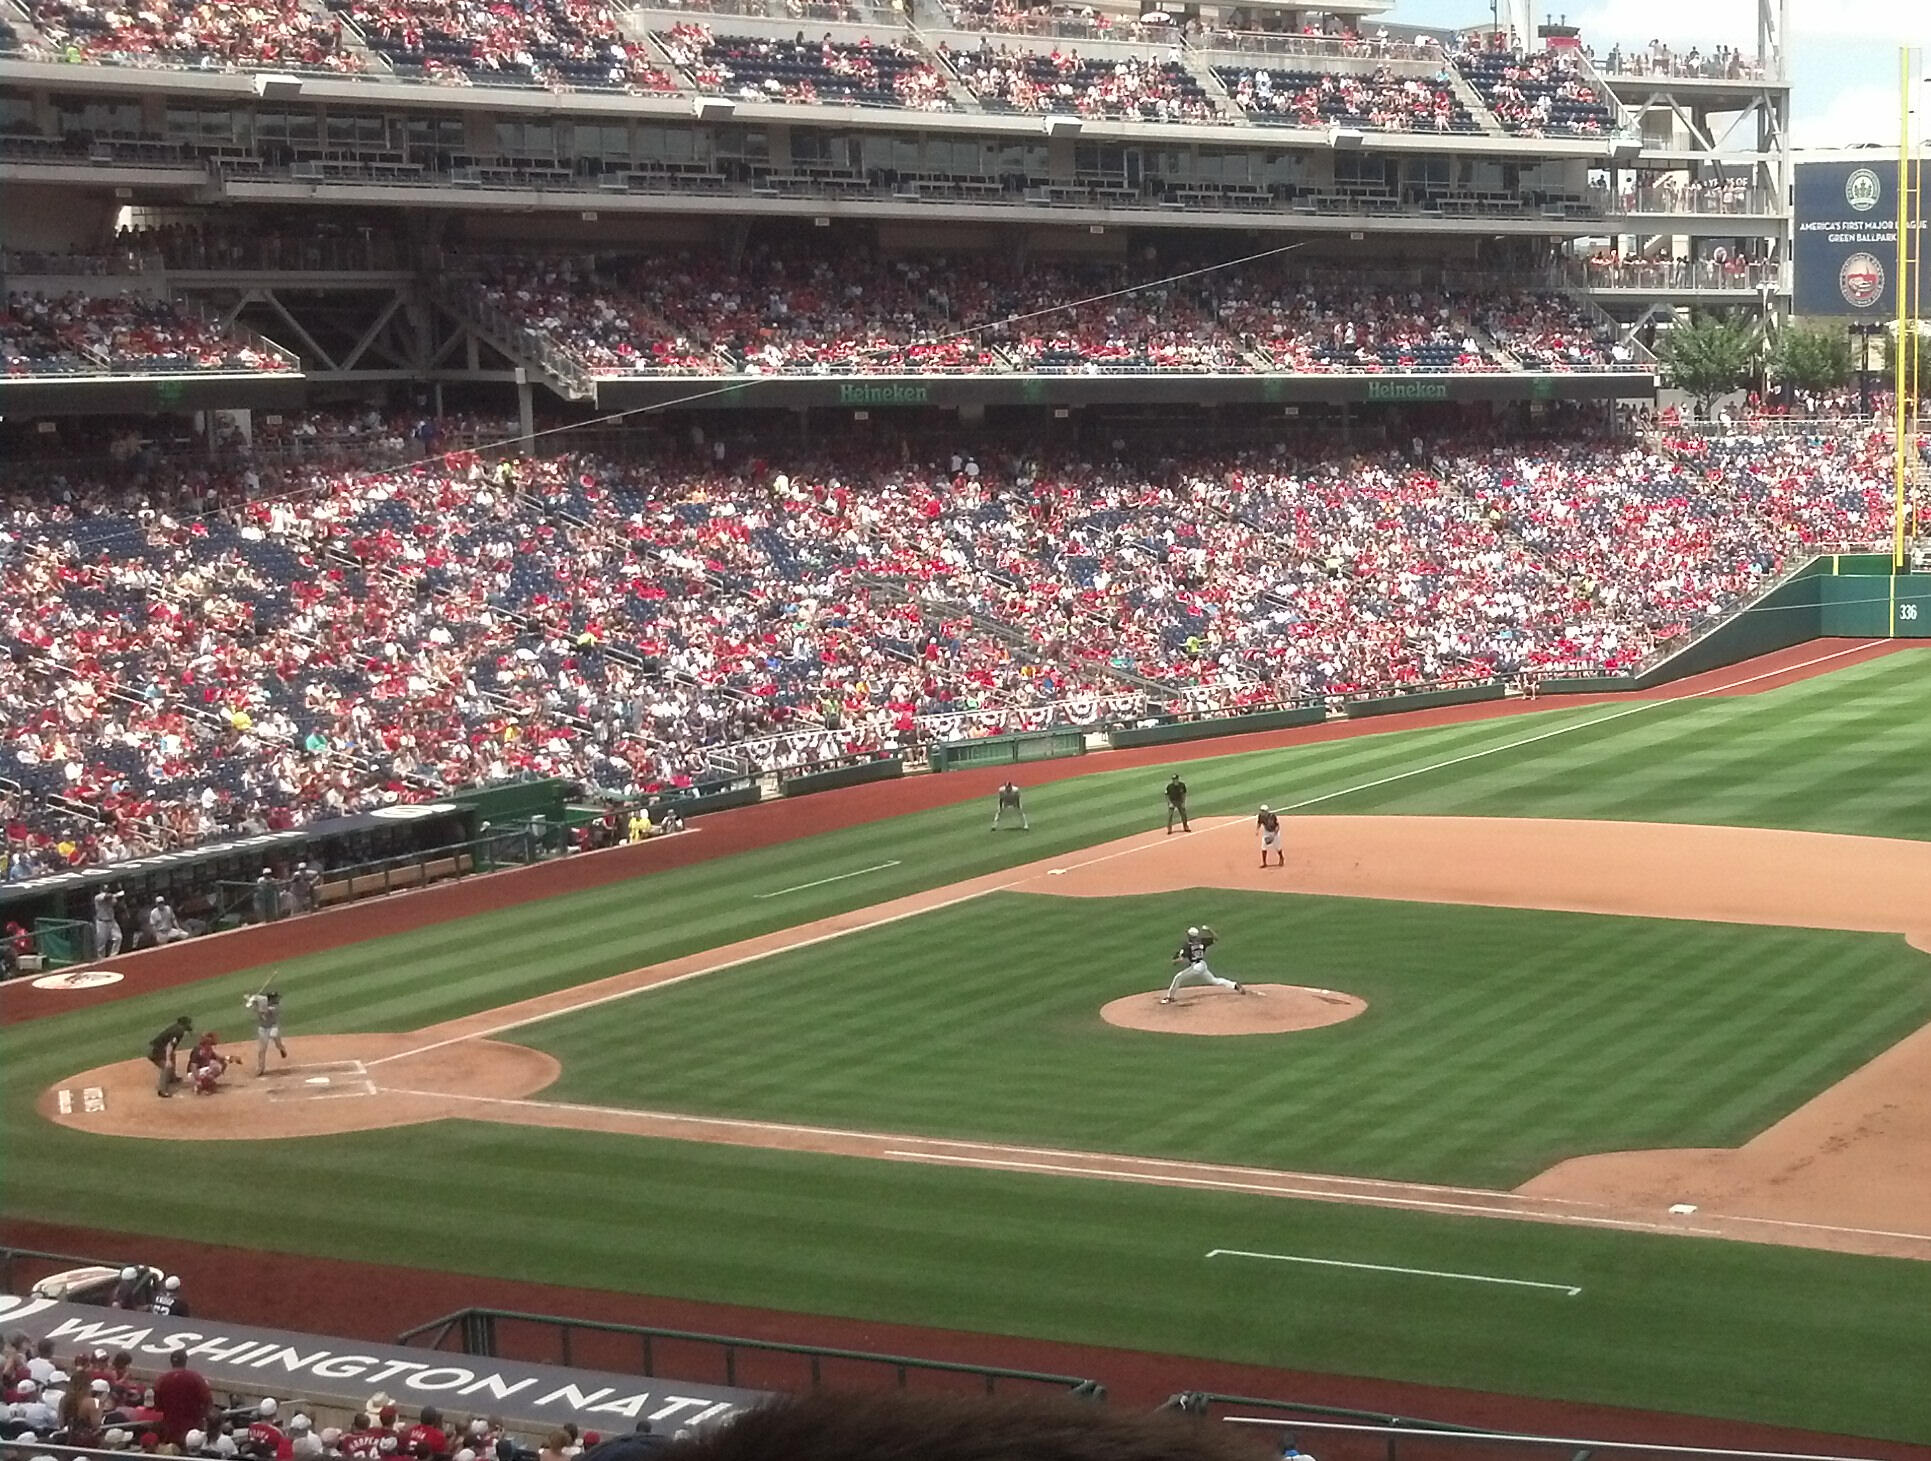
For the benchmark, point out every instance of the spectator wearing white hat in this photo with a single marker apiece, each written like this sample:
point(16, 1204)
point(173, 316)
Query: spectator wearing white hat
point(32, 1409)
point(168, 1299)
point(266, 1438)
point(302, 1440)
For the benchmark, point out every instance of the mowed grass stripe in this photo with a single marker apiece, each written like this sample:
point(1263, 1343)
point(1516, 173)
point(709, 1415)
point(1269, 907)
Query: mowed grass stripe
point(1479, 1019)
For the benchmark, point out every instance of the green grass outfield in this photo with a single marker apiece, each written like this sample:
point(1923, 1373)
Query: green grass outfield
point(1771, 1334)
point(1496, 1041)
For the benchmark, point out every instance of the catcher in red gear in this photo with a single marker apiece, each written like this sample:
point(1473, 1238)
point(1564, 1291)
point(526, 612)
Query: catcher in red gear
point(206, 1064)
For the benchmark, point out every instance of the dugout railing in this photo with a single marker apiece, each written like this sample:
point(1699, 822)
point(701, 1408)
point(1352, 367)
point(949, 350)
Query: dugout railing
point(1334, 1440)
point(764, 1364)
point(1317, 1430)
point(22, 1268)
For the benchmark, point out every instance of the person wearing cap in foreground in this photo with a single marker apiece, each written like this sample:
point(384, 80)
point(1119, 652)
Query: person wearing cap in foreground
point(1192, 956)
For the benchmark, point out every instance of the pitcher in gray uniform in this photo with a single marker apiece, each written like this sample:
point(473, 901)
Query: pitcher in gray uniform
point(266, 1007)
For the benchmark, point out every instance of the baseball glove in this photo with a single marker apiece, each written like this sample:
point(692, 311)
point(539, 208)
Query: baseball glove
point(1206, 931)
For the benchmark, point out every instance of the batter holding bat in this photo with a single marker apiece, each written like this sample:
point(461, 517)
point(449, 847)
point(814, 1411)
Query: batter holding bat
point(266, 1007)
point(1192, 957)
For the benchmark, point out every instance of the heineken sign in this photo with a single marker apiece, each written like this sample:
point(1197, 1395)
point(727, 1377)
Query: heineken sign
point(1408, 390)
point(859, 394)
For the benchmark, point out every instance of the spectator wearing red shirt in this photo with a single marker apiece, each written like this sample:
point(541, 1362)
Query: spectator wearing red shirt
point(426, 1437)
point(364, 1437)
point(183, 1398)
point(265, 1438)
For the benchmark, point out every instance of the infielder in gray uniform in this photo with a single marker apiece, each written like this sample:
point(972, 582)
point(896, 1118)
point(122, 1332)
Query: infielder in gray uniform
point(266, 1007)
point(1009, 802)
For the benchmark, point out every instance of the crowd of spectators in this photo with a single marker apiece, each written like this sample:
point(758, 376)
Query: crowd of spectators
point(1536, 93)
point(1721, 63)
point(351, 639)
point(573, 43)
point(783, 310)
point(209, 34)
point(98, 1399)
point(759, 68)
point(127, 332)
point(1133, 87)
point(1326, 326)
point(1378, 100)
point(1082, 22)
point(1547, 330)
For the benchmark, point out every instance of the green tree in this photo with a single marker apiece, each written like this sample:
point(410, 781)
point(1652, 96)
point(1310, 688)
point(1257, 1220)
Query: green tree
point(1811, 360)
point(1922, 365)
point(1709, 357)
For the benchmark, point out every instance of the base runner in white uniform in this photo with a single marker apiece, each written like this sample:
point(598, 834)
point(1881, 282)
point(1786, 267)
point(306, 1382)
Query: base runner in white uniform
point(1268, 823)
point(266, 1007)
point(1193, 956)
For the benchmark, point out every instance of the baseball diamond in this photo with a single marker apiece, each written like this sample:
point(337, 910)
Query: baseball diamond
point(1634, 1015)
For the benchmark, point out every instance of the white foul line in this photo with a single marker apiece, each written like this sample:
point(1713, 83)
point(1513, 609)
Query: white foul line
point(1521, 1283)
point(717, 968)
point(1104, 857)
point(877, 867)
point(1269, 1189)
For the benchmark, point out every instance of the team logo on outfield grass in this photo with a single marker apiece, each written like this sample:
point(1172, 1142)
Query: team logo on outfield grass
point(1862, 190)
point(1861, 280)
point(79, 979)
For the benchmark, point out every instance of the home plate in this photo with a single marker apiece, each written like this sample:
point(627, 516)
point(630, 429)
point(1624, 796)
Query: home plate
point(316, 1080)
point(1683, 1209)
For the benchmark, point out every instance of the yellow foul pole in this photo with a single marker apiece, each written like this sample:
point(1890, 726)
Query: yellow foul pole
point(1904, 351)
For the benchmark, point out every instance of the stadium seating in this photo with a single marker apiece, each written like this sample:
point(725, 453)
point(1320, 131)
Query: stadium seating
point(283, 34)
point(1539, 94)
point(828, 72)
point(1379, 101)
point(1138, 88)
point(362, 638)
point(119, 333)
point(574, 43)
point(836, 311)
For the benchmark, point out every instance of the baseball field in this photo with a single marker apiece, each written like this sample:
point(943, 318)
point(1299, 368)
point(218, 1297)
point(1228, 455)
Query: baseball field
point(1587, 1056)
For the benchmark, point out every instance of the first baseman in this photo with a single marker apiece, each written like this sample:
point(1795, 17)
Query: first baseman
point(1192, 954)
point(266, 1007)
point(1009, 802)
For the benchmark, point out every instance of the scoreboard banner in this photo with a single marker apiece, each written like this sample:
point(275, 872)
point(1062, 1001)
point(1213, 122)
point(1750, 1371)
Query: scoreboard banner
point(1846, 238)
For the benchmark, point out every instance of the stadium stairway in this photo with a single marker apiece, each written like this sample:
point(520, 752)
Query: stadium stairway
point(551, 367)
point(1471, 99)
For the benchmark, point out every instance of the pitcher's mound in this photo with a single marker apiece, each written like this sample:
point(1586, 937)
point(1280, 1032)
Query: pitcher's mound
point(1266, 1009)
